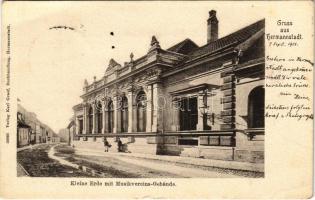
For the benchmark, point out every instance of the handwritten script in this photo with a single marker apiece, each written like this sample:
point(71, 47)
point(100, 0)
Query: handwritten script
point(290, 75)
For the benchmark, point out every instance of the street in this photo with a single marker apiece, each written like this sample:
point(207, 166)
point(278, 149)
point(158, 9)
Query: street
point(64, 161)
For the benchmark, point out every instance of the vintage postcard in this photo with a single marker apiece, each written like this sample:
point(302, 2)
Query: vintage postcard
point(140, 99)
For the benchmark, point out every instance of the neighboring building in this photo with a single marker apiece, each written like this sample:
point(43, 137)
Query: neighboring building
point(67, 134)
point(49, 134)
point(186, 100)
point(43, 133)
point(55, 138)
point(23, 131)
point(38, 131)
point(64, 135)
point(72, 132)
point(31, 120)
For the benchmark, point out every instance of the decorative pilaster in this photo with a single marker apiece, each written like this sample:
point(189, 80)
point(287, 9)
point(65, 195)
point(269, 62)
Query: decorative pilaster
point(200, 105)
point(149, 109)
point(94, 129)
point(130, 110)
point(157, 123)
point(103, 117)
point(85, 120)
point(176, 116)
point(77, 125)
point(115, 106)
point(106, 111)
point(228, 88)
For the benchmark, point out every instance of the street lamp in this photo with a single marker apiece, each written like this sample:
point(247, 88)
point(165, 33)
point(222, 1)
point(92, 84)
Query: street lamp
point(204, 109)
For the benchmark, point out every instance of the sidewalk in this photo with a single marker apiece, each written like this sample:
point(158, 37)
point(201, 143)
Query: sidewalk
point(256, 167)
point(32, 146)
point(28, 147)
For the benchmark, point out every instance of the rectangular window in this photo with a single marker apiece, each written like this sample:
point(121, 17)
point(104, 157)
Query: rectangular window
point(188, 114)
point(188, 141)
point(80, 126)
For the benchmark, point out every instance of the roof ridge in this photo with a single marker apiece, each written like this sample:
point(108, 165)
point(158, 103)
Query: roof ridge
point(232, 38)
point(181, 43)
point(235, 32)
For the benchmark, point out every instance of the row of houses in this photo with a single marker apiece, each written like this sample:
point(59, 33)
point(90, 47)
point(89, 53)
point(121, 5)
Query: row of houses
point(30, 130)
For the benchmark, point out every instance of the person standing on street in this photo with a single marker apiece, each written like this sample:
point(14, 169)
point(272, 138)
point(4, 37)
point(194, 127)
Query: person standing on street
point(106, 144)
point(120, 145)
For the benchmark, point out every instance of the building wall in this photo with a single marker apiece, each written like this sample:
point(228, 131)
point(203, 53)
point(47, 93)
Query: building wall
point(38, 130)
point(169, 145)
point(244, 151)
point(64, 135)
point(23, 137)
point(214, 102)
point(247, 149)
point(55, 139)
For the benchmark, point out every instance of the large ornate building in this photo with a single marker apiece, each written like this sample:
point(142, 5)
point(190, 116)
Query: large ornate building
point(188, 100)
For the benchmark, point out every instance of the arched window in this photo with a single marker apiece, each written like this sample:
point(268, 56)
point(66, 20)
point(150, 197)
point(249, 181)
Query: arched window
point(110, 114)
point(256, 108)
point(90, 115)
point(99, 111)
point(124, 114)
point(141, 111)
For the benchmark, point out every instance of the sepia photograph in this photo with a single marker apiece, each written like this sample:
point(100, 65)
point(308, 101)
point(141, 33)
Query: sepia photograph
point(185, 110)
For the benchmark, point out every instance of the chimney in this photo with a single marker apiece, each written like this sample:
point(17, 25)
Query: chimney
point(212, 29)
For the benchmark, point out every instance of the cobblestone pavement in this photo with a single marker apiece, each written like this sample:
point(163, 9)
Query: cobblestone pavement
point(37, 163)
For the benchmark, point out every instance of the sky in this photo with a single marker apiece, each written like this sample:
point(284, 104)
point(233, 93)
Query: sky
point(51, 64)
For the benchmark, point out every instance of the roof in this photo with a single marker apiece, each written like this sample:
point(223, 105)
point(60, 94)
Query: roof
point(193, 51)
point(183, 47)
point(231, 39)
point(77, 106)
point(22, 124)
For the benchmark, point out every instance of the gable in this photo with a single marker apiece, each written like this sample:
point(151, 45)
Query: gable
point(184, 47)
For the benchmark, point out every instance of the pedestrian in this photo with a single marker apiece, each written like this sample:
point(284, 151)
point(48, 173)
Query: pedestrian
point(106, 144)
point(119, 143)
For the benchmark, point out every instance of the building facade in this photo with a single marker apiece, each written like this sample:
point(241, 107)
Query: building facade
point(187, 100)
point(23, 131)
point(38, 132)
point(64, 135)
